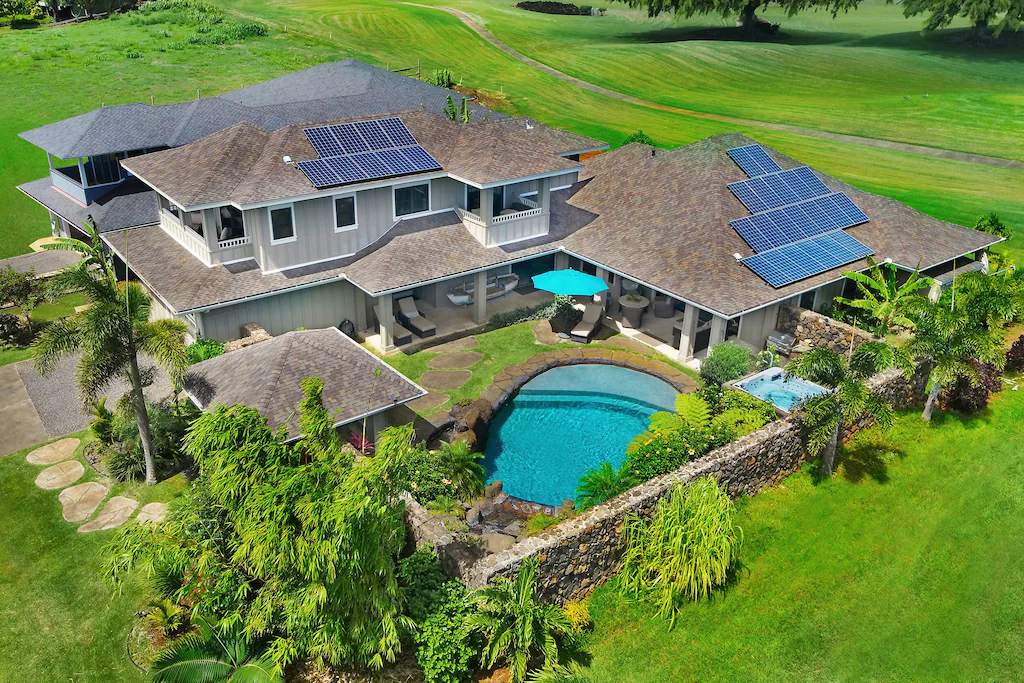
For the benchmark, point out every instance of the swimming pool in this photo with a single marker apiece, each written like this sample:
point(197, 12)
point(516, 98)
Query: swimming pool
point(777, 387)
point(566, 421)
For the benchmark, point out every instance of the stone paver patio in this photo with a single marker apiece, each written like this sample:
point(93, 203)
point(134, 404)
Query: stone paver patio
point(81, 500)
point(116, 512)
point(52, 453)
point(60, 475)
point(428, 402)
point(464, 344)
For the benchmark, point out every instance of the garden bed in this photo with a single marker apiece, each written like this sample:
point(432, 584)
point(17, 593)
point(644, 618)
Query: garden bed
point(563, 8)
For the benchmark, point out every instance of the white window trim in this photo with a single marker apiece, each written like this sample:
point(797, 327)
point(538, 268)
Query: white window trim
point(355, 211)
point(270, 224)
point(430, 200)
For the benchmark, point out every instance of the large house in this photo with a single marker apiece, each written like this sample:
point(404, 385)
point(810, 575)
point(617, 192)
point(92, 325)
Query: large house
point(343, 193)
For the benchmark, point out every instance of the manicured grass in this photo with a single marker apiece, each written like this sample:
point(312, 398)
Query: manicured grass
point(850, 74)
point(905, 566)
point(14, 354)
point(500, 348)
point(61, 308)
point(61, 621)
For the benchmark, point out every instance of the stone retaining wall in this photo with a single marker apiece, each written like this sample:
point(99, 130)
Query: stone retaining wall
point(585, 550)
point(816, 329)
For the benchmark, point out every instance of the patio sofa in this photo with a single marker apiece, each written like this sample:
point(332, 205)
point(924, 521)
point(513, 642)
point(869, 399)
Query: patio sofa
point(410, 317)
point(400, 334)
point(590, 323)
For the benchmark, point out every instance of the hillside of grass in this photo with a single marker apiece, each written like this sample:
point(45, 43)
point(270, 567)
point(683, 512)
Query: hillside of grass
point(904, 567)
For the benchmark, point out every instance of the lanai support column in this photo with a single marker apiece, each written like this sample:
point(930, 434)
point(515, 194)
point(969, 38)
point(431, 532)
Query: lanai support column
point(480, 297)
point(717, 332)
point(360, 310)
point(615, 292)
point(603, 296)
point(561, 261)
point(689, 332)
point(81, 173)
point(386, 321)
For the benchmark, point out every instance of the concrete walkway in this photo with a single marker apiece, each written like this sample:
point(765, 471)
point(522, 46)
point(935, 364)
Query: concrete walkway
point(22, 426)
point(824, 135)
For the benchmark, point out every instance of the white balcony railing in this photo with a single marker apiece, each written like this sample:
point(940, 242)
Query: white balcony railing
point(517, 216)
point(237, 242)
point(529, 202)
point(469, 216)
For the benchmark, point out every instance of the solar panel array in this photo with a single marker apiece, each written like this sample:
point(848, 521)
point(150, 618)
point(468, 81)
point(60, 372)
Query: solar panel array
point(778, 189)
point(771, 229)
point(791, 262)
point(797, 223)
point(753, 160)
point(364, 150)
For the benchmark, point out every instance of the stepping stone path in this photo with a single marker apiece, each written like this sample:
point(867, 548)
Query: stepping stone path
point(428, 402)
point(81, 501)
point(116, 512)
point(464, 344)
point(152, 513)
point(444, 380)
point(60, 475)
point(52, 453)
point(459, 359)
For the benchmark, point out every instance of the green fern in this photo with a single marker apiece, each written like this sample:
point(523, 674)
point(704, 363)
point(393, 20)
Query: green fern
point(742, 421)
point(693, 410)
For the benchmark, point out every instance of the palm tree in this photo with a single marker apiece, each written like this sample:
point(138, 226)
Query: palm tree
point(600, 484)
point(949, 338)
point(882, 298)
point(212, 655)
point(850, 397)
point(516, 626)
point(988, 300)
point(463, 467)
point(110, 333)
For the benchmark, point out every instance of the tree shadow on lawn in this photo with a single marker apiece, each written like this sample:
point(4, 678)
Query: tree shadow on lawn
point(867, 459)
point(726, 34)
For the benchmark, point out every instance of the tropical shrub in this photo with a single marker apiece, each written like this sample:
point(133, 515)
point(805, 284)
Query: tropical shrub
point(600, 484)
point(540, 522)
point(661, 453)
point(21, 289)
point(641, 138)
point(452, 472)
point(521, 315)
point(442, 78)
point(420, 578)
point(725, 362)
point(1015, 356)
point(204, 348)
point(733, 399)
point(215, 654)
point(686, 549)
point(102, 424)
point(165, 616)
point(578, 613)
point(882, 299)
point(970, 394)
point(235, 536)
point(125, 459)
point(445, 648)
point(993, 225)
point(557, 673)
point(517, 629)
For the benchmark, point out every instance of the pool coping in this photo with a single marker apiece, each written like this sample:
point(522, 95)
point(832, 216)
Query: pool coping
point(472, 422)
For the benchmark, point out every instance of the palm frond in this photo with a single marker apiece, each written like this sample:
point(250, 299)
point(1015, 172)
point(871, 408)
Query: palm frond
point(60, 339)
point(164, 341)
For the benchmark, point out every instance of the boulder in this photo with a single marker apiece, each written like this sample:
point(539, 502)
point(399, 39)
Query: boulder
point(468, 436)
point(513, 529)
point(473, 516)
point(495, 543)
point(493, 489)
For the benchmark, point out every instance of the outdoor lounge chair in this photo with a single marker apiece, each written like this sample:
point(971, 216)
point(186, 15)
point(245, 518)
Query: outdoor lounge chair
point(398, 333)
point(410, 317)
point(589, 324)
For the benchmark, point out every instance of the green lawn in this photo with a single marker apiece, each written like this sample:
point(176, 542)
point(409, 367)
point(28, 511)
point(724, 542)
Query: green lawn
point(906, 566)
point(60, 621)
point(502, 348)
point(44, 313)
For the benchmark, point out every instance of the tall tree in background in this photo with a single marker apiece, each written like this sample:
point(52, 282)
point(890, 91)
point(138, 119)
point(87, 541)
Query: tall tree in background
point(745, 8)
point(981, 13)
point(110, 334)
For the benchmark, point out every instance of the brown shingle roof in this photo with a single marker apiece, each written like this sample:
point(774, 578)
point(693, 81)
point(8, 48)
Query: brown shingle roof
point(664, 220)
point(244, 164)
point(267, 377)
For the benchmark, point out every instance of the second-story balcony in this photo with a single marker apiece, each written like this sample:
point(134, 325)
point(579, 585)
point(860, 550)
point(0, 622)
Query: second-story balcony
point(511, 220)
point(89, 179)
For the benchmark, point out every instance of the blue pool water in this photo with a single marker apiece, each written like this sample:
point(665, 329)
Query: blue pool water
point(782, 390)
point(566, 421)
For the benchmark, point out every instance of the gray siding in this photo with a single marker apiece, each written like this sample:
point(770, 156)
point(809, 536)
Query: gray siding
point(756, 326)
point(565, 179)
point(515, 230)
point(312, 307)
point(446, 193)
point(513, 190)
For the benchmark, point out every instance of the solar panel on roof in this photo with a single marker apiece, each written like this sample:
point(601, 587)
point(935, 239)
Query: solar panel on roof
point(373, 134)
point(364, 150)
point(778, 189)
point(396, 130)
point(753, 160)
point(771, 229)
point(792, 262)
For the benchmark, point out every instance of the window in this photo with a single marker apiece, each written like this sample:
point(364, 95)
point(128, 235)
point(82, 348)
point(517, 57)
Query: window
point(194, 221)
point(282, 227)
point(169, 207)
point(472, 199)
point(231, 225)
point(103, 169)
point(498, 199)
point(345, 213)
point(412, 199)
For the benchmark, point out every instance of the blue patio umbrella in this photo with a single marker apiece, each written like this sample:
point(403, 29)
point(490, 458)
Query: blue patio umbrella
point(569, 283)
